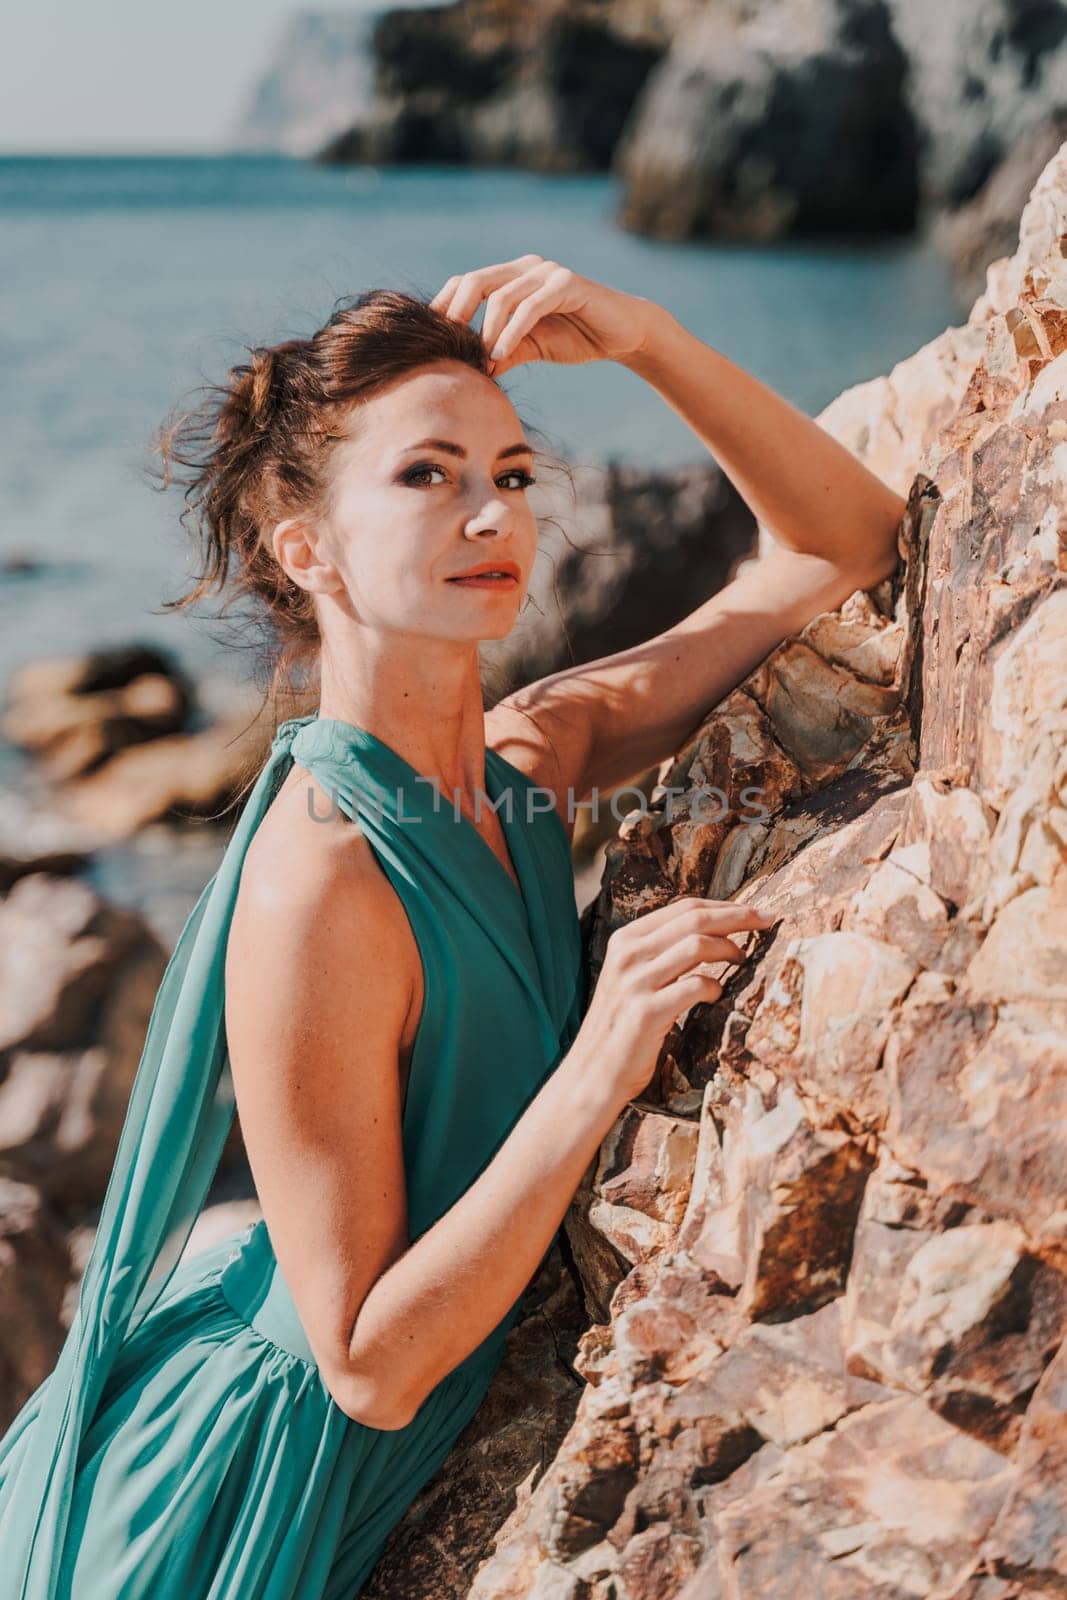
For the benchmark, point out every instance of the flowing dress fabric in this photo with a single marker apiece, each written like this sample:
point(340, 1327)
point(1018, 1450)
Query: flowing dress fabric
point(185, 1447)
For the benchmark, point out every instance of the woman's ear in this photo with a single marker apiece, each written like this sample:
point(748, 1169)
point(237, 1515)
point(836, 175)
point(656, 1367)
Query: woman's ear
point(300, 550)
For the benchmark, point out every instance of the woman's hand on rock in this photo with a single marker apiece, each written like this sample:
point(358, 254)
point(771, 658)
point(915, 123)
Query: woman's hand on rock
point(654, 969)
point(536, 310)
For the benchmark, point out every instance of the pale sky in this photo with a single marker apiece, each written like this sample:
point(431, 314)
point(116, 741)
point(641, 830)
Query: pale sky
point(110, 75)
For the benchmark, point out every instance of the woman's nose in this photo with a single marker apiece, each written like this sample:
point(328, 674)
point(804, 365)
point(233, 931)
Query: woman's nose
point(493, 518)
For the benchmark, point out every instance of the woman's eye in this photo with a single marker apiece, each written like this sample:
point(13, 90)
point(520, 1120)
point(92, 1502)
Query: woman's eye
point(417, 473)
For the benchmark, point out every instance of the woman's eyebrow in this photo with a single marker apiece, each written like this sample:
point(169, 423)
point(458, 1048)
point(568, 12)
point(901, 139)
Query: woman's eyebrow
point(457, 449)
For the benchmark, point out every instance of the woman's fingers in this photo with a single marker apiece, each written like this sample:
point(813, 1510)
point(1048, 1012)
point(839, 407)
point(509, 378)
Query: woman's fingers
point(461, 296)
point(711, 916)
point(501, 304)
point(517, 295)
point(657, 948)
point(526, 315)
point(688, 988)
point(697, 952)
point(443, 298)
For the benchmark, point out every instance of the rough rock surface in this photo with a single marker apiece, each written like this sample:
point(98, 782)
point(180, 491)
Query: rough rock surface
point(825, 1254)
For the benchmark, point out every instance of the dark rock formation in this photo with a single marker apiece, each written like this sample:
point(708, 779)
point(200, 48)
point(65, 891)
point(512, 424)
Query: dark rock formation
point(853, 115)
point(546, 86)
point(774, 120)
point(984, 75)
point(734, 120)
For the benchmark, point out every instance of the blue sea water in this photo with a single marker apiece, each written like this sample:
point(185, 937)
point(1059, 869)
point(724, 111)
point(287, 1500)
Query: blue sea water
point(126, 281)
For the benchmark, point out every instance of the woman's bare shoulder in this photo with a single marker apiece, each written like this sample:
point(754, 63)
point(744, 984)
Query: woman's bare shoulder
point(309, 867)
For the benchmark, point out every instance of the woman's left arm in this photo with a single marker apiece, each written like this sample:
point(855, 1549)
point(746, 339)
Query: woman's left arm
point(833, 522)
point(811, 493)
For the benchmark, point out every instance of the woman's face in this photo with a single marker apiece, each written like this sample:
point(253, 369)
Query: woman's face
point(433, 483)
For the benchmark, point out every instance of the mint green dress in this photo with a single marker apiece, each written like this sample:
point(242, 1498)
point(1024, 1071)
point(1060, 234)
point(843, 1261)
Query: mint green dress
point(185, 1447)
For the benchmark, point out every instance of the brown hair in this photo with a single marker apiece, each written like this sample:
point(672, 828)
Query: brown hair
point(256, 448)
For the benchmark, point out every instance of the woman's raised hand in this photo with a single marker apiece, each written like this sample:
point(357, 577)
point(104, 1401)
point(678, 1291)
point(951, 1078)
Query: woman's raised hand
point(536, 310)
point(655, 968)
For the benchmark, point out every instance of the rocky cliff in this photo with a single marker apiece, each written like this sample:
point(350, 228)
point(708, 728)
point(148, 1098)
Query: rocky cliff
point(318, 79)
point(547, 86)
point(823, 1260)
point(815, 115)
point(739, 119)
point(789, 117)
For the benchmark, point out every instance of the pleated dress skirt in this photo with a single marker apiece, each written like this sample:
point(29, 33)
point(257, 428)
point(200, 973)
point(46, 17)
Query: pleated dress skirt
point(218, 1463)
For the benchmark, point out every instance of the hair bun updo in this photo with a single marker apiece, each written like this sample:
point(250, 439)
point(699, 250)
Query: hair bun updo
point(257, 448)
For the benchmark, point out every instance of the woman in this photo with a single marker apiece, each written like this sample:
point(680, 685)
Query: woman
point(385, 970)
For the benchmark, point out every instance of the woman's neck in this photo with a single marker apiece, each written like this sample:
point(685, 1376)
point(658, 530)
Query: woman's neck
point(437, 726)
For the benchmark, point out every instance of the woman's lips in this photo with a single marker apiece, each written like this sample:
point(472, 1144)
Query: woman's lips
point(483, 581)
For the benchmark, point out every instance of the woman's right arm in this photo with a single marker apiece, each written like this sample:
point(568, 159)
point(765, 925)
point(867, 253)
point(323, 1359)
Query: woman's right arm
point(321, 985)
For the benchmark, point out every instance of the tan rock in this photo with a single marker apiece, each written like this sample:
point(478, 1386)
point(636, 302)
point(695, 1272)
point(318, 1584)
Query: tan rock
point(74, 714)
point(642, 1181)
point(78, 978)
point(1028, 1541)
point(890, 1503)
point(842, 1376)
point(34, 1265)
point(1028, 847)
point(969, 1318)
point(1029, 686)
point(819, 713)
point(956, 829)
point(178, 776)
point(827, 1015)
point(898, 1215)
point(977, 1092)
